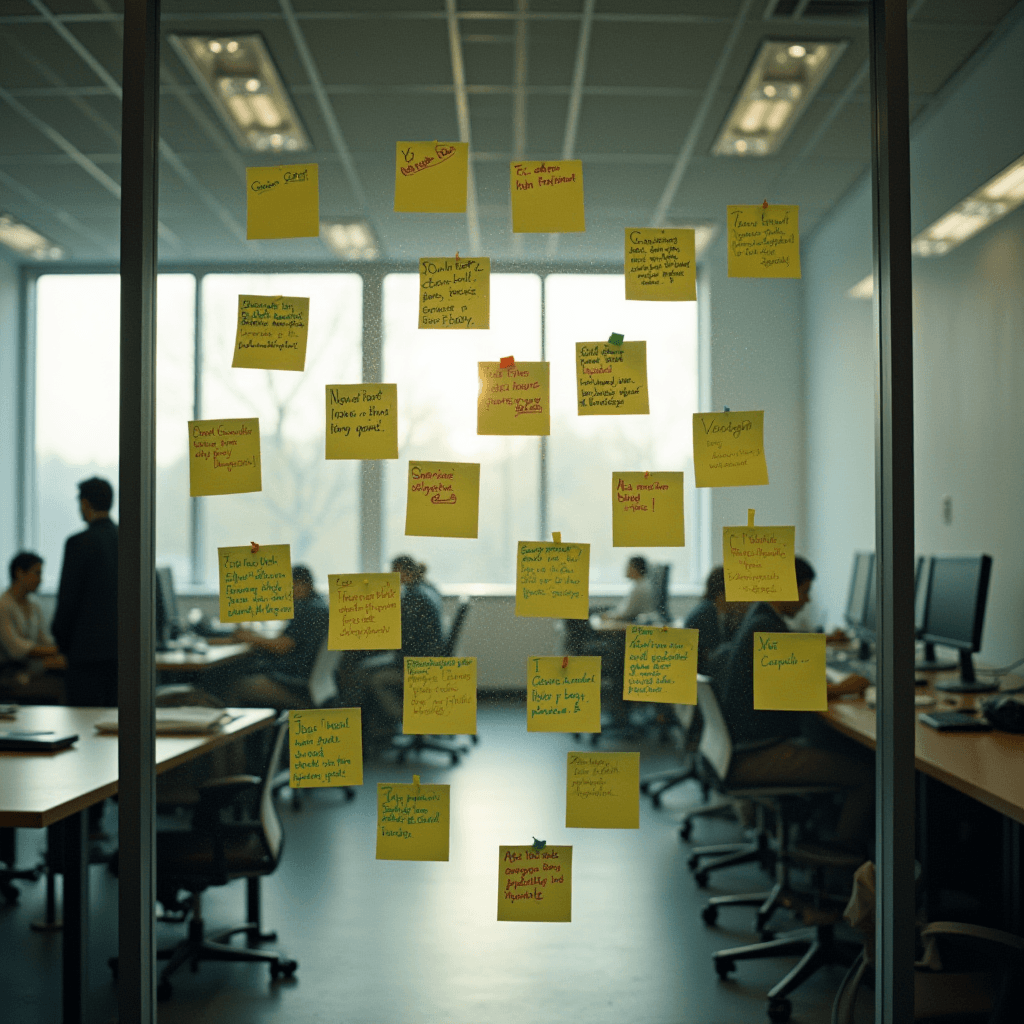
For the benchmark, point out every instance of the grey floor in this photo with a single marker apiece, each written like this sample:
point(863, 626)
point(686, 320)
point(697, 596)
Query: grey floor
point(417, 943)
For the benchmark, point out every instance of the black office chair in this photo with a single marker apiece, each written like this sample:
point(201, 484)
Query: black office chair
point(11, 873)
point(216, 850)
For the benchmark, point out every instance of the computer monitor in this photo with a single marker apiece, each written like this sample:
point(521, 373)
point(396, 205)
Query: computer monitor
point(860, 585)
point(166, 608)
point(921, 573)
point(957, 593)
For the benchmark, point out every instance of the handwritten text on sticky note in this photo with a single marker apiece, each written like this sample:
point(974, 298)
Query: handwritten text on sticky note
point(789, 672)
point(547, 196)
point(553, 580)
point(362, 421)
point(514, 399)
point(224, 456)
point(283, 202)
point(413, 821)
point(440, 697)
point(563, 699)
point(535, 885)
point(661, 665)
point(255, 586)
point(728, 449)
point(443, 499)
point(455, 293)
point(647, 510)
point(611, 379)
point(430, 177)
point(661, 264)
point(271, 332)
point(326, 747)
point(763, 242)
point(602, 790)
point(759, 563)
point(365, 614)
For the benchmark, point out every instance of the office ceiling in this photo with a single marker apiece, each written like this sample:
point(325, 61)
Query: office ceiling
point(654, 80)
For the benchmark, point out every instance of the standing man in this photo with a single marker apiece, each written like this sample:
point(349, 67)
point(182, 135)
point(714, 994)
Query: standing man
point(85, 623)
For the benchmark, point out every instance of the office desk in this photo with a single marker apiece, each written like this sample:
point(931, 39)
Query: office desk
point(199, 661)
point(38, 790)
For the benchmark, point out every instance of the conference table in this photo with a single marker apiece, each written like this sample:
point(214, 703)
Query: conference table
point(38, 790)
point(191, 660)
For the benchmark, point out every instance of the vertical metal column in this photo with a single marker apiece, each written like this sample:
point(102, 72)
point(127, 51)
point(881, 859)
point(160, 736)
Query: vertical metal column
point(894, 511)
point(136, 764)
point(542, 489)
point(371, 472)
point(196, 508)
point(75, 940)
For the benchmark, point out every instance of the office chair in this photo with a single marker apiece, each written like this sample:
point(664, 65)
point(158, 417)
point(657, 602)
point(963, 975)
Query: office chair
point(11, 873)
point(215, 851)
point(656, 785)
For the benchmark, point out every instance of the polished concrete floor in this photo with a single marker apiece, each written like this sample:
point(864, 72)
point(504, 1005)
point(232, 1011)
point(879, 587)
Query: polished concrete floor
point(418, 943)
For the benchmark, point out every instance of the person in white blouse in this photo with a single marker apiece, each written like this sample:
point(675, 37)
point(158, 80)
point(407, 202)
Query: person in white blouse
point(27, 649)
point(641, 598)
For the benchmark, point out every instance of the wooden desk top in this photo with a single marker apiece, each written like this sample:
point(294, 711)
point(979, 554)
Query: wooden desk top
point(987, 766)
point(199, 661)
point(37, 790)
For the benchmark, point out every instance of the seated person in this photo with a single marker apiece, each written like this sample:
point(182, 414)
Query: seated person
point(768, 747)
point(276, 673)
point(641, 599)
point(717, 622)
point(28, 653)
point(422, 631)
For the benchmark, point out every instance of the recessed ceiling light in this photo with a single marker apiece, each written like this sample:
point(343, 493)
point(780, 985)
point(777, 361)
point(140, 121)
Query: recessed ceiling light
point(781, 82)
point(239, 78)
point(351, 238)
point(863, 289)
point(21, 238)
point(984, 206)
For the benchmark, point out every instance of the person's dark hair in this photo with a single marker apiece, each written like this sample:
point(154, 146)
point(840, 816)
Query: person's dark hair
point(406, 564)
point(97, 492)
point(714, 586)
point(23, 561)
point(804, 571)
point(639, 563)
point(302, 574)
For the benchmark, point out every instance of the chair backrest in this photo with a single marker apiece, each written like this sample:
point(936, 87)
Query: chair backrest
point(270, 822)
point(322, 682)
point(452, 639)
point(715, 741)
point(660, 584)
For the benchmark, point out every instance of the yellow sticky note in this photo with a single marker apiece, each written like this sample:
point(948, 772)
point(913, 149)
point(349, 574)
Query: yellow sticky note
point(553, 580)
point(443, 499)
point(440, 697)
point(514, 400)
point(535, 885)
point(728, 449)
point(365, 612)
point(647, 510)
point(326, 747)
point(284, 202)
point(413, 821)
point(547, 196)
point(661, 264)
point(661, 665)
point(563, 699)
point(789, 672)
point(760, 563)
point(224, 457)
point(602, 790)
point(611, 380)
point(255, 586)
point(430, 177)
point(763, 242)
point(455, 293)
point(362, 421)
point(271, 332)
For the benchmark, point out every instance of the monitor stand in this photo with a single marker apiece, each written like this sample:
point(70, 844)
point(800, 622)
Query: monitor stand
point(968, 682)
point(931, 663)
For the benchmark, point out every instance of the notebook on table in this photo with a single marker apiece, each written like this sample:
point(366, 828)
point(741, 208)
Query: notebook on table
point(32, 740)
point(176, 721)
point(958, 721)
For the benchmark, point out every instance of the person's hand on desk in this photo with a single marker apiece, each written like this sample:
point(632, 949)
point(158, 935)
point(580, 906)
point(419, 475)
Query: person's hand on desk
point(837, 636)
point(271, 644)
point(55, 661)
point(853, 683)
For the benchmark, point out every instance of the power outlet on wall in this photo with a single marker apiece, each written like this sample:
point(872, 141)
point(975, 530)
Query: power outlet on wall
point(947, 509)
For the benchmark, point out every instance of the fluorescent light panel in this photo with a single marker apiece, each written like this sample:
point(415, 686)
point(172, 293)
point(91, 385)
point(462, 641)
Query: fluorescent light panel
point(702, 235)
point(995, 199)
point(863, 289)
point(239, 78)
point(781, 82)
point(351, 238)
point(27, 241)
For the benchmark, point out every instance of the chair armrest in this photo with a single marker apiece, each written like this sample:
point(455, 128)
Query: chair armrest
point(974, 931)
point(216, 794)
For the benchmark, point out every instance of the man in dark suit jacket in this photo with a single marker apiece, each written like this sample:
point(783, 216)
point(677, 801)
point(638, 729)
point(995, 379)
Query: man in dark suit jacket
point(85, 623)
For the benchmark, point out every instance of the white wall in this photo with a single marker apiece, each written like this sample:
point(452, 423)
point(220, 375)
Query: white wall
point(968, 354)
point(9, 406)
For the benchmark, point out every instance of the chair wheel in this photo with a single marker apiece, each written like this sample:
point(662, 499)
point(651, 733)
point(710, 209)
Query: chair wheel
point(701, 878)
point(350, 794)
point(455, 758)
point(724, 968)
point(693, 862)
point(686, 830)
point(645, 788)
point(10, 894)
point(710, 915)
point(779, 1010)
point(656, 800)
point(283, 969)
point(765, 934)
point(163, 991)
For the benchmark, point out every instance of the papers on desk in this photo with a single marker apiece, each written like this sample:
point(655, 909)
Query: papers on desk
point(921, 700)
point(171, 721)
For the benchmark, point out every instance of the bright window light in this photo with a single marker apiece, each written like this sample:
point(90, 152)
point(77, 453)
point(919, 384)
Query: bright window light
point(863, 289)
point(781, 82)
point(27, 241)
point(351, 239)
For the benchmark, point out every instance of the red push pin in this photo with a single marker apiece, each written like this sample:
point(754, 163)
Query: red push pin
point(507, 362)
point(255, 546)
point(565, 661)
point(764, 205)
point(646, 474)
